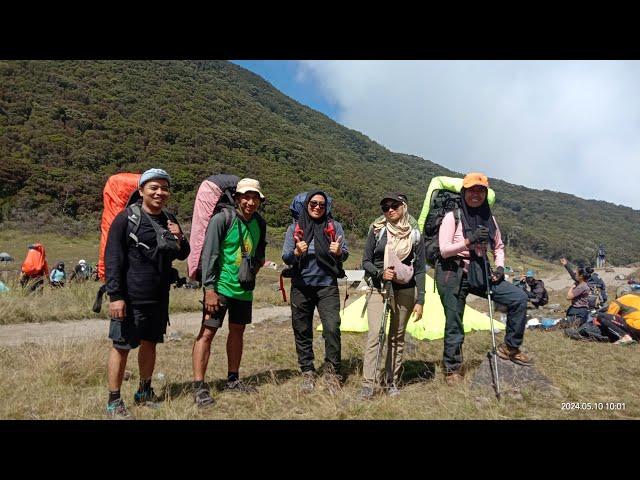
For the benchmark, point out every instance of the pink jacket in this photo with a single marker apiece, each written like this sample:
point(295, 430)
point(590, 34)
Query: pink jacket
point(452, 243)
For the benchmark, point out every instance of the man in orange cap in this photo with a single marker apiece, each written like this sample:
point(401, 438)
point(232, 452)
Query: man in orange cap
point(461, 270)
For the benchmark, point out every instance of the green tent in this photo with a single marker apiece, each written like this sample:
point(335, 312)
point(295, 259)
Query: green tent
point(429, 327)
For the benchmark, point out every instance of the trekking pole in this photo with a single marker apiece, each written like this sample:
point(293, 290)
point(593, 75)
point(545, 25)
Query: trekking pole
point(387, 290)
point(493, 335)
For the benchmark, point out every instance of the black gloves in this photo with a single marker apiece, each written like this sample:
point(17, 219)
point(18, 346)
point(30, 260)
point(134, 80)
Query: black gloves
point(481, 234)
point(498, 274)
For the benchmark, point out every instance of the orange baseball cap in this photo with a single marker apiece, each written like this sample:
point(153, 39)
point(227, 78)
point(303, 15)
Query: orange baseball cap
point(475, 178)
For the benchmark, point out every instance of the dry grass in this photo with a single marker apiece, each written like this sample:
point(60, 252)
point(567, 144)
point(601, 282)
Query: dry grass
point(68, 381)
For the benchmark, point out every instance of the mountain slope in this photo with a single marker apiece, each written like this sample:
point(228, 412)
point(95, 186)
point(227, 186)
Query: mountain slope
point(65, 126)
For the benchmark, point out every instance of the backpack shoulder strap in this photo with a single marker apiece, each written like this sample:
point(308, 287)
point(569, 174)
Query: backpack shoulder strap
point(134, 217)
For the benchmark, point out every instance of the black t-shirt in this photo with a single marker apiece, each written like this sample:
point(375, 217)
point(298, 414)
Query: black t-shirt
point(138, 274)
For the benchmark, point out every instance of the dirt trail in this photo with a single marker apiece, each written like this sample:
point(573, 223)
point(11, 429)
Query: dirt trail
point(58, 332)
point(562, 280)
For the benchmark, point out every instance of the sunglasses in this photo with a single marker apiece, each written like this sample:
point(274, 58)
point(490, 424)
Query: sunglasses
point(387, 206)
point(314, 204)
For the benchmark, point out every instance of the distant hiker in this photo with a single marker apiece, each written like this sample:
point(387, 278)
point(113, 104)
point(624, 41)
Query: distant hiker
point(618, 323)
point(598, 296)
point(316, 247)
point(464, 238)
point(138, 267)
point(58, 276)
point(537, 293)
point(579, 296)
point(34, 268)
point(81, 272)
point(393, 256)
point(231, 257)
point(601, 257)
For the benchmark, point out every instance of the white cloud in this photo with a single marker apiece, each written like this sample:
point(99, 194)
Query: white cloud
point(571, 126)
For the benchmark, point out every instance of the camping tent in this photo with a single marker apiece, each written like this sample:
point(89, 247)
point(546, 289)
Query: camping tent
point(5, 257)
point(429, 327)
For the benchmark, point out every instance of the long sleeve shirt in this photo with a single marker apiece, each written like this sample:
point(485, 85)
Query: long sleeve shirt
point(373, 264)
point(452, 242)
point(309, 271)
point(130, 274)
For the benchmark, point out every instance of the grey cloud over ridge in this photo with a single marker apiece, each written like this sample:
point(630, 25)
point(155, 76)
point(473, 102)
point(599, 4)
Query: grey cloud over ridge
point(570, 126)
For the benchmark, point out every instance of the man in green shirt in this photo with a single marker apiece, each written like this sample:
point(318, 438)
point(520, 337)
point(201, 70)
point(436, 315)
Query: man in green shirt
point(221, 260)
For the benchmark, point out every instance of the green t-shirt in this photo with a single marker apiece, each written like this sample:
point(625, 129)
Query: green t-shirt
point(231, 255)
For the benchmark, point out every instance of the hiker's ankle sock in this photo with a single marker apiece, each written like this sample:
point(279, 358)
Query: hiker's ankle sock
point(145, 385)
point(198, 384)
point(233, 376)
point(113, 396)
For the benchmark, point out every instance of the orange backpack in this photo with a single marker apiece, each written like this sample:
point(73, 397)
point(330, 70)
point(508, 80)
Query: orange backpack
point(119, 191)
point(36, 262)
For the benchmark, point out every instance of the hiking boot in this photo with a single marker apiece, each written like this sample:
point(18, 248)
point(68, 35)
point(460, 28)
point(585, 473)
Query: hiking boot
point(308, 384)
point(117, 410)
point(331, 379)
point(392, 390)
point(453, 378)
point(506, 352)
point(147, 398)
point(203, 398)
point(240, 387)
point(366, 393)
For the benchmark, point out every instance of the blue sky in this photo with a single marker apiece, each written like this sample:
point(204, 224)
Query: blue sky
point(285, 75)
point(567, 126)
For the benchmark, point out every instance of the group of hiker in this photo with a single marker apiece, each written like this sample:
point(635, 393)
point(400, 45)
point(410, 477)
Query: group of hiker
point(35, 270)
point(231, 251)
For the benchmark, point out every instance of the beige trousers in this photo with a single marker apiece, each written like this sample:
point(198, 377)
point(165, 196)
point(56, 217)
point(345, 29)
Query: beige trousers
point(402, 303)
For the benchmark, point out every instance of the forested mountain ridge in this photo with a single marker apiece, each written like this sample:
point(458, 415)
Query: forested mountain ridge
point(65, 126)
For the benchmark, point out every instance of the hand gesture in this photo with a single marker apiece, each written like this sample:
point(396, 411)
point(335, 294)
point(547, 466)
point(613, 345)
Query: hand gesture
point(301, 248)
point(563, 261)
point(336, 247)
point(175, 229)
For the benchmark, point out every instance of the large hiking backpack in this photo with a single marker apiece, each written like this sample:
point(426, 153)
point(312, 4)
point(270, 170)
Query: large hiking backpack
point(215, 193)
point(35, 262)
point(120, 191)
point(443, 196)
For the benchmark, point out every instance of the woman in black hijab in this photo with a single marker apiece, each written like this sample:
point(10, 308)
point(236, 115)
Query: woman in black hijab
point(316, 248)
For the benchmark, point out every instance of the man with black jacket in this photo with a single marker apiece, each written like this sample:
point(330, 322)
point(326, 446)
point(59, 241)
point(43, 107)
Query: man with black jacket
point(537, 292)
point(138, 273)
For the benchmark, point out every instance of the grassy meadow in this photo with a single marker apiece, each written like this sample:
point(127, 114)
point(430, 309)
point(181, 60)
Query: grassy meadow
point(68, 381)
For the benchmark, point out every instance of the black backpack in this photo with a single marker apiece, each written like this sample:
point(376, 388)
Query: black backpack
point(442, 202)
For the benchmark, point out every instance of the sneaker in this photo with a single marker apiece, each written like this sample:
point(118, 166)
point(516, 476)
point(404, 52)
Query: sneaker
point(117, 410)
point(392, 390)
point(331, 379)
point(453, 378)
point(147, 398)
point(203, 398)
point(308, 384)
point(366, 393)
point(240, 387)
point(514, 354)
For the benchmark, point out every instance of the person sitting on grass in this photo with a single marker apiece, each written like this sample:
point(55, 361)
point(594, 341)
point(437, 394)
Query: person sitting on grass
point(579, 296)
point(58, 276)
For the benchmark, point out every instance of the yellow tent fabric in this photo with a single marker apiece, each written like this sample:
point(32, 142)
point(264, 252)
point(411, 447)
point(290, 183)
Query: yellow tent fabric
point(429, 327)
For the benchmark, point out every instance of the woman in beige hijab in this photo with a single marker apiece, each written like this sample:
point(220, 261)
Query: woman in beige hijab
point(394, 263)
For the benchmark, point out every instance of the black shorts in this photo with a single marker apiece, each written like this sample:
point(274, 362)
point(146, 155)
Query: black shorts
point(143, 322)
point(239, 312)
